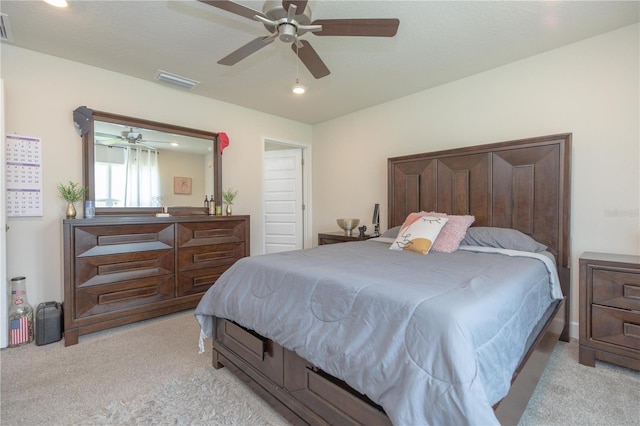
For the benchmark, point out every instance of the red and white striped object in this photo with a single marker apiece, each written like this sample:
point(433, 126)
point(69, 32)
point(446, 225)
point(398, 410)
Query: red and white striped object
point(19, 331)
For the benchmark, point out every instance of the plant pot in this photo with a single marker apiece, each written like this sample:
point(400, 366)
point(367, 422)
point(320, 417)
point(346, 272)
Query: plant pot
point(71, 211)
point(228, 209)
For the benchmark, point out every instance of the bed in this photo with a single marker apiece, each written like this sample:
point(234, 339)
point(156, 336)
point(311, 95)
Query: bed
point(355, 333)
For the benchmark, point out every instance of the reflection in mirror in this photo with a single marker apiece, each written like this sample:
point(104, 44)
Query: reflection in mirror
point(143, 164)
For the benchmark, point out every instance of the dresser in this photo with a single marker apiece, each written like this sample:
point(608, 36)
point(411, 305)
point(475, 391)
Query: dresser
point(610, 309)
point(339, 237)
point(119, 270)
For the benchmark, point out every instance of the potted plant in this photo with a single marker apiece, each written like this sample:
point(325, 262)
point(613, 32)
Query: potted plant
point(71, 193)
point(228, 197)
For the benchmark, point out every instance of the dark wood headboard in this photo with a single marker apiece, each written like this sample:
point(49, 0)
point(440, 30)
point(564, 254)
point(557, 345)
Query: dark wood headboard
point(522, 184)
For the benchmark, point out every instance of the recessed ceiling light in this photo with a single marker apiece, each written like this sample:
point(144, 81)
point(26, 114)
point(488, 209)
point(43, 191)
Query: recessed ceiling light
point(57, 3)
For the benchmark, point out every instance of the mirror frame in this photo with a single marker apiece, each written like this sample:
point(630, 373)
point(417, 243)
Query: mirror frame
point(88, 162)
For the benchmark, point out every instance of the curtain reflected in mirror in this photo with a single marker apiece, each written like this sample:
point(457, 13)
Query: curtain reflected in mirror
point(127, 177)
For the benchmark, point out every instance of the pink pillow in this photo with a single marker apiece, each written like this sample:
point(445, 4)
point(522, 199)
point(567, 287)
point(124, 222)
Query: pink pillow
point(452, 233)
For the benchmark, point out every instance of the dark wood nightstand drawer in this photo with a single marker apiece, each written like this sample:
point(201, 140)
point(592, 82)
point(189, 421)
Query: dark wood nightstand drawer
point(617, 289)
point(610, 309)
point(616, 326)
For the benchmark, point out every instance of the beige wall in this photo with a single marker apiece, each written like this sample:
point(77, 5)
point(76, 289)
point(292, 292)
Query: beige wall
point(589, 88)
point(41, 93)
point(180, 164)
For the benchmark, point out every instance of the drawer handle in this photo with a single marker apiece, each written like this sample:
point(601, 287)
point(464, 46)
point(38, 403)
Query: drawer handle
point(631, 292)
point(631, 330)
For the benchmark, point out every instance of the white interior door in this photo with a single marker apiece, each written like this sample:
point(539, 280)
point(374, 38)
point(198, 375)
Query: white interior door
point(283, 200)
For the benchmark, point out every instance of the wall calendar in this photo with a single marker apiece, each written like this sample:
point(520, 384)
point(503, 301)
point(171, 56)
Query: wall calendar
point(23, 157)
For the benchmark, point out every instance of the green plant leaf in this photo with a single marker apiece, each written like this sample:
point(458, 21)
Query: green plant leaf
point(71, 192)
point(229, 195)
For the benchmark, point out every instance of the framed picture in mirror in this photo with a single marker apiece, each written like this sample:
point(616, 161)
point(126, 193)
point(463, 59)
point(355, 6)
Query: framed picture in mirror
point(181, 185)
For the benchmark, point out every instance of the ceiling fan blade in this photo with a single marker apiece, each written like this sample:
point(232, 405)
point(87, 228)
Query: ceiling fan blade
point(246, 50)
point(310, 59)
point(149, 147)
point(109, 142)
point(233, 7)
point(358, 27)
point(300, 4)
point(106, 135)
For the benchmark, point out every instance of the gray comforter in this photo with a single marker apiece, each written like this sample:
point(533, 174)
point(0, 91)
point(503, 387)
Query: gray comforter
point(433, 339)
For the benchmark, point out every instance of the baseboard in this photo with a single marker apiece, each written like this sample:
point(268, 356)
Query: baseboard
point(574, 330)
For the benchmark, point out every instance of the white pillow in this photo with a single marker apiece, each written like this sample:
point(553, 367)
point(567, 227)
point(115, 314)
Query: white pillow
point(418, 233)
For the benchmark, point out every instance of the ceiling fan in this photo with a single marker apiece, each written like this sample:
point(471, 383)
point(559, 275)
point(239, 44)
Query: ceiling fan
point(288, 20)
point(127, 137)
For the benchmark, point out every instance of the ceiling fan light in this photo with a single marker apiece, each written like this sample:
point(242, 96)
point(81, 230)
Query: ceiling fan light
point(287, 33)
point(57, 3)
point(298, 88)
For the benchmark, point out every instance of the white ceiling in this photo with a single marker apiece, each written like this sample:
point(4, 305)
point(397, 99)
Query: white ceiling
point(437, 42)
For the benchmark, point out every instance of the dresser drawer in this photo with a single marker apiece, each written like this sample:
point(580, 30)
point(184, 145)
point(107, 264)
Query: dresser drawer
point(202, 233)
point(616, 288)
point(121, 296)
point(210, 256)
point(122, 266)
point(198, 280)
point(616, 326)
point(112, 239)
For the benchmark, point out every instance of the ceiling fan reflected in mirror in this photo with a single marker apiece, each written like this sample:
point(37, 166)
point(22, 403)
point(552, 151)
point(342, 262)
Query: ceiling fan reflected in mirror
point(288, 20)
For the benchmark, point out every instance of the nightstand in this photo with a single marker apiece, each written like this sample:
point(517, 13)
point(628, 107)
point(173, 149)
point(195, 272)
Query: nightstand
point(339, 237)
point(610, 309)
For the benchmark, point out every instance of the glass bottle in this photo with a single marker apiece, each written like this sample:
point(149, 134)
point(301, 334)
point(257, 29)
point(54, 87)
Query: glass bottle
point(206, 202)
point(20, 314)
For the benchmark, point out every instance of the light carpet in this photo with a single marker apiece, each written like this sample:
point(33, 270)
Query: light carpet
point(208, 399)
point(150, 373)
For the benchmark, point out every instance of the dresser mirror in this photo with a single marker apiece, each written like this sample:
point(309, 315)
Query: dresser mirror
point(137, 166)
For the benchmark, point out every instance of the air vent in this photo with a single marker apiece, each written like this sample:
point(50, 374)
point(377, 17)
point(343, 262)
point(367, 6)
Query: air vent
point(177, 80)
point(5, 29)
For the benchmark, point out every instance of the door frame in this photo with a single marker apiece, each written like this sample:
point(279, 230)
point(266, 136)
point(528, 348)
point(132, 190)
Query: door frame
point(307, 239)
